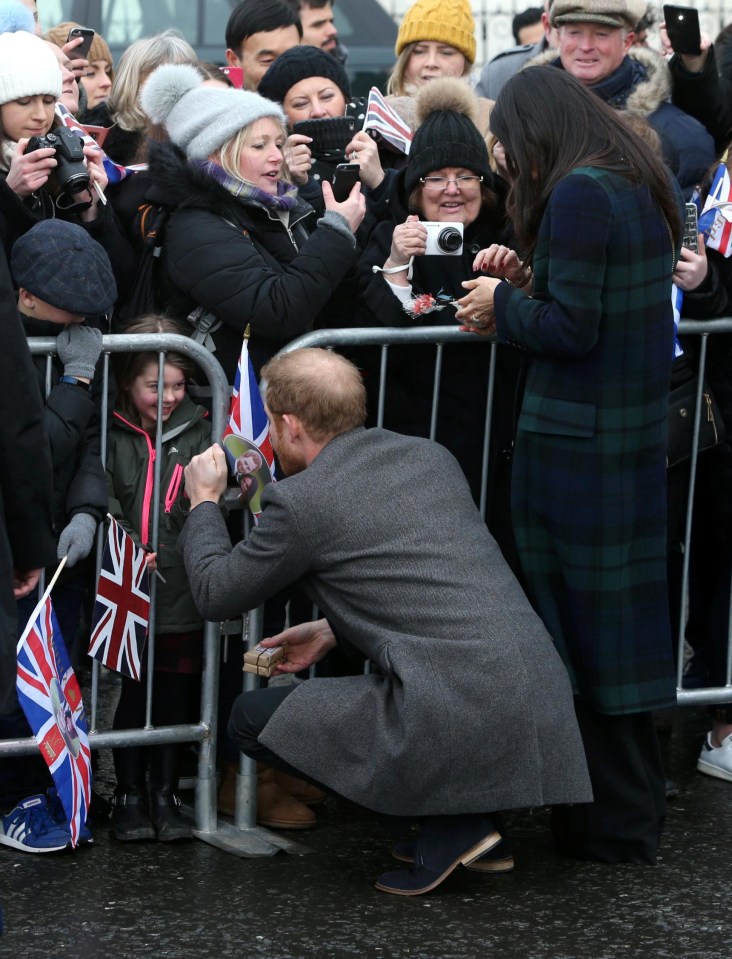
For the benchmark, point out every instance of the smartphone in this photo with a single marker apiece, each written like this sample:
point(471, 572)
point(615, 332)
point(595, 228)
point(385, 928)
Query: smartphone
point(80, 52)
point(691, 228)
point(682, 26)
point(235, 74)
point(344, 180)
point(330, 136)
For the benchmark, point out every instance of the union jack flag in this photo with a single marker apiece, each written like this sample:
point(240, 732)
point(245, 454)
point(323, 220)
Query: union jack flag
point(384, 121)
point(51, 700)
point(248, 420)
point(715, 220)
point(115, 171)
point(122, 605)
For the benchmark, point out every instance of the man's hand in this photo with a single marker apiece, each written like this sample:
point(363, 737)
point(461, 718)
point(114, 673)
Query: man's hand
point(304, 644)
point(206, 476)
point(25, 581)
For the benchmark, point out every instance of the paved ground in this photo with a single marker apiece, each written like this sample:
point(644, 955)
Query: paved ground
point(187, 901)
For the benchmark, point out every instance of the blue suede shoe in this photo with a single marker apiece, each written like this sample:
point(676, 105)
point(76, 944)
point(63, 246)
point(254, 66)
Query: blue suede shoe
point(443, 844)
point(498, 859)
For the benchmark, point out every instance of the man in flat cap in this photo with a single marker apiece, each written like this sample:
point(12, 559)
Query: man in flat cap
point(596, 46)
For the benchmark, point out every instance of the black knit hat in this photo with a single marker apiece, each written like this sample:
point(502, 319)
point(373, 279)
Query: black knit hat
point(301, 63)
point(447, 135)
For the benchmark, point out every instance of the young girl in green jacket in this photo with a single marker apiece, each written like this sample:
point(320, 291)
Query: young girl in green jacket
point(145, 802)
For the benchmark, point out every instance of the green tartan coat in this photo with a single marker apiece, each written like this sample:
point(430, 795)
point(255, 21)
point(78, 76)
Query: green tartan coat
point(588, 485)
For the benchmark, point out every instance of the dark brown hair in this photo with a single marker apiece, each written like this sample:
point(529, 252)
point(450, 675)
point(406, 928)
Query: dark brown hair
point(549, 123)
point(322, 388)
point(128, 366)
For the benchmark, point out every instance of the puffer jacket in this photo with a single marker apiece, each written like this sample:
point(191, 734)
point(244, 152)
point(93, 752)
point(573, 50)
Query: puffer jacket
point(641, 85)
point(240, 261)
point(130, 475)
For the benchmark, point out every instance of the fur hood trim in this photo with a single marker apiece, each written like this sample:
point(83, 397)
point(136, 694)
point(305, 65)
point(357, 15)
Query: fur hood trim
point(648, 95)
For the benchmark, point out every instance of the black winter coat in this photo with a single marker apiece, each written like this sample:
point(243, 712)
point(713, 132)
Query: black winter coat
point(73, 425)
point(239, 260)
point(26, 537)
point(464, 380)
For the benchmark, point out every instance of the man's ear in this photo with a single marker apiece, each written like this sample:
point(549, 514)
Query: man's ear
point(26, 298)
point(293, 425)
point(232, 58)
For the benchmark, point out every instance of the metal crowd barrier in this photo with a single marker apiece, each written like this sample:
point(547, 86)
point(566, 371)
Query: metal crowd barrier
point(244, 838)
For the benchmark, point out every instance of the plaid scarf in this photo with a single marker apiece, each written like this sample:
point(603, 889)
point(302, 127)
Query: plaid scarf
point(286, 192)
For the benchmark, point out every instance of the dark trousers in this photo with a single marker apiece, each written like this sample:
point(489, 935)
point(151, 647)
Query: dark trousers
point(249, 715)
point(625, 821)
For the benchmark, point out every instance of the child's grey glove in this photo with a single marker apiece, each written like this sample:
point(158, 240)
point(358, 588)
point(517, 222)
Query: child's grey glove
point(77, 539)
point(78, 348)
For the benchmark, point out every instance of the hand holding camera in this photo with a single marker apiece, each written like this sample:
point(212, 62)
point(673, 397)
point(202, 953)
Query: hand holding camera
point(408, 239)
point(298, 157)
point(30, 171)
point(71, 176)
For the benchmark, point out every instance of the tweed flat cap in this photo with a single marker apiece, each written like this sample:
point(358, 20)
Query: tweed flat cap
point(611, 13)
point(61, 264)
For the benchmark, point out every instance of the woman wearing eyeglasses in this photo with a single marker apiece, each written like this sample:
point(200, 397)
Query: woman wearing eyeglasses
point(447, 183)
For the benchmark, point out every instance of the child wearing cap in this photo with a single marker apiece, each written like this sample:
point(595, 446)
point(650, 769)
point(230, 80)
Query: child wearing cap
point(62, 276)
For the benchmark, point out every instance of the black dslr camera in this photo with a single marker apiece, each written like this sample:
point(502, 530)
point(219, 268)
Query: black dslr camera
point(71, 175)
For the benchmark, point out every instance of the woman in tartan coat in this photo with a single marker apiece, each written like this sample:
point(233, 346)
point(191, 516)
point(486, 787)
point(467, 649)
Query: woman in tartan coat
point(601, 225)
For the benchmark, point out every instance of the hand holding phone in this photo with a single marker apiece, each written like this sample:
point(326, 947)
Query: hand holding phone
point(81, 50)
point(345, 178)
point(682, 27)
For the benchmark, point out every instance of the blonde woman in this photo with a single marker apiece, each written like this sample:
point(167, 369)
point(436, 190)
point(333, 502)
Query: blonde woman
point(241, 245)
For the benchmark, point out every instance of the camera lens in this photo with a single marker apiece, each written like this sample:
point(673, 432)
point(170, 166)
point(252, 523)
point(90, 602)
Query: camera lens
point(449, 240)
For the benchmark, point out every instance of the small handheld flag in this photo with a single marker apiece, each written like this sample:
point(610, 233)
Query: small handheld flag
point(246, 438)
point(122, 605)
point(50, 697)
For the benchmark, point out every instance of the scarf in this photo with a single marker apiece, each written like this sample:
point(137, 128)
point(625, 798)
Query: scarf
point(616, 88)
point(283, 202)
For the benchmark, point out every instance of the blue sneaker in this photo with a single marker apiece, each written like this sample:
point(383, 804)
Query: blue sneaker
point(29, 827)
point(58, 814)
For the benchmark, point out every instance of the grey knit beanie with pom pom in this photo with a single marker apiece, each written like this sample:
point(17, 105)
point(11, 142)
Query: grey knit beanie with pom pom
point(446, 134)
point(200, 119)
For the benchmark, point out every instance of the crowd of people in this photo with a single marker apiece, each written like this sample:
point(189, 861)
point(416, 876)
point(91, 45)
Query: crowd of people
point(519, 657)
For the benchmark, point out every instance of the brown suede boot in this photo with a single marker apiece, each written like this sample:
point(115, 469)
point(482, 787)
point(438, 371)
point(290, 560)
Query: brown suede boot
point(300, 789)
point(275, 808)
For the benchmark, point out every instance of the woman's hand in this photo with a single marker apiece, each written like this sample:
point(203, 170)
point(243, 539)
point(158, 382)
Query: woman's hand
point(502, 261)
point(78, 65)
point(151, 561)
point(691, 270)
point(298, 157)
point(98, 175)
point(29, 171)
point(408, 239)
point(476, 309)
point(363, 150)
point(353, 208)
point(304, 644)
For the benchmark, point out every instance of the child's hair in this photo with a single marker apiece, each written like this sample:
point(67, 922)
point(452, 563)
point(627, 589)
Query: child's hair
point(128, 366)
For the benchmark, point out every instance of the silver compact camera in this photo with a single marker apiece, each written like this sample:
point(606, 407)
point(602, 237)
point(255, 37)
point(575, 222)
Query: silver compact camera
point(443, 239)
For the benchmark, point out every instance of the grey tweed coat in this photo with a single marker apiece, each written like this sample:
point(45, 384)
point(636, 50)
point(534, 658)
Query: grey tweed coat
point(470, 709)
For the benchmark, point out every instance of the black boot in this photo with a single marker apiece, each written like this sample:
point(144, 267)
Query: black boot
point(130, 816)
point(164, 804)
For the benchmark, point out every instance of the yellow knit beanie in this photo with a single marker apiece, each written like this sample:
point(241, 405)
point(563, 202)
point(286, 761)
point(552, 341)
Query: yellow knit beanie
point(445, 21)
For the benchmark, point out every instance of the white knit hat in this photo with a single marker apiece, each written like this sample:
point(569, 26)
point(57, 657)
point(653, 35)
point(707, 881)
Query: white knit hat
point(28, 67)
point(200, 119)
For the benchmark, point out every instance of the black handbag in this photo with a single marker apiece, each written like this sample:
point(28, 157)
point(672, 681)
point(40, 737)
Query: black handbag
point(680, 423)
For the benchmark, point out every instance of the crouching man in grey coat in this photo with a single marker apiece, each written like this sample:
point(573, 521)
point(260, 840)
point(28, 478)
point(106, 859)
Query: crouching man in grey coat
point(469, 709)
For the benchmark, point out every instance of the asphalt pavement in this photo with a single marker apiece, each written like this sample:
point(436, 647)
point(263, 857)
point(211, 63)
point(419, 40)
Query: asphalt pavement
point(190, 900)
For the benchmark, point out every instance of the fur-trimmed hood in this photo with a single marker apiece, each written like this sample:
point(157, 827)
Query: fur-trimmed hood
point(647, 94)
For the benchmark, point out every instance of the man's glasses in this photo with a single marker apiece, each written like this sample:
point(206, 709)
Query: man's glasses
point(438, 183)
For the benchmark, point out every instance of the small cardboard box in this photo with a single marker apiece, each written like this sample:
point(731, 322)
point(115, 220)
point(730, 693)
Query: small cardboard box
point(262, 660)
